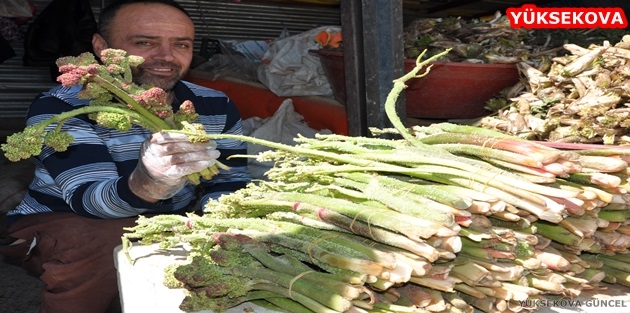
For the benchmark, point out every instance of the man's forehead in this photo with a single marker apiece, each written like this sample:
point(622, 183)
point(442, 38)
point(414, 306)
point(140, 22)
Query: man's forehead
point(142, 13)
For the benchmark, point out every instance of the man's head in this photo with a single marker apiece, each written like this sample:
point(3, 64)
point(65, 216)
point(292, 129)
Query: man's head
point(160, 31)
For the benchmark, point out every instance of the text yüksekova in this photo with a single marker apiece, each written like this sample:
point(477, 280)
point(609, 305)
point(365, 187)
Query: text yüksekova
point(530, 16)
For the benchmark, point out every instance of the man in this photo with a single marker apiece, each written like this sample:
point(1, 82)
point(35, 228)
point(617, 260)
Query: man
point(80, 200)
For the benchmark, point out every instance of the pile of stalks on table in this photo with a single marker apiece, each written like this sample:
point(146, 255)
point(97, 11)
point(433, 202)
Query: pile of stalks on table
point(441, 218)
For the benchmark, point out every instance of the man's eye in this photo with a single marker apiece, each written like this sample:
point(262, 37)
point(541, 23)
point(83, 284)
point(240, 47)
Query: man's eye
point(143, 43)
point(182, 45)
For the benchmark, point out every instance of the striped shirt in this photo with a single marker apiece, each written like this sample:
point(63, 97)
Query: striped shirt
point(90, 178)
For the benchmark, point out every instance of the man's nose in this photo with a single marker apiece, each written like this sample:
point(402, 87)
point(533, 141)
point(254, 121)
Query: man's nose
point(164, 52)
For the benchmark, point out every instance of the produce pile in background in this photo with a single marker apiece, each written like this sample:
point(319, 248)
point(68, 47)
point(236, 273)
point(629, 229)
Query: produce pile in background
point(493, 40)
point(448, 218)
point(582, 97)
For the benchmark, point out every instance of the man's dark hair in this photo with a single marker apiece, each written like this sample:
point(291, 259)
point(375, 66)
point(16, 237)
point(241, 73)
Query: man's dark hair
point(108, 13)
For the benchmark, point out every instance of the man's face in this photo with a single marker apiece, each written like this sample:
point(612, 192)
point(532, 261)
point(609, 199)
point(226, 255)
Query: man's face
point(161, 34)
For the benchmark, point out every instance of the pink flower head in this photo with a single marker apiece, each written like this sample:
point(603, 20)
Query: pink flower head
point(114, 56)
point(162, 113)
point(153, 98)
point(74, 74)
point(187, 107)
point(114, 69)
point(73, 77)
point(67, 68)
point(69, 79)
point(92, 68)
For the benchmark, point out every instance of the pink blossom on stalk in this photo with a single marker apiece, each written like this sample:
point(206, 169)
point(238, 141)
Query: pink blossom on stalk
point(114, 56)
point(72, 78)
point(114, 69)
point(74, 75)
point(92, 68)
point(162, 113)
point(67, 68)
point(153, 98)
point(187, 107)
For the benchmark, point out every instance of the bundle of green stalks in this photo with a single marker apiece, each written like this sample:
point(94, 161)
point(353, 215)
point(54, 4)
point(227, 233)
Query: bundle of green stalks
point(445, 218)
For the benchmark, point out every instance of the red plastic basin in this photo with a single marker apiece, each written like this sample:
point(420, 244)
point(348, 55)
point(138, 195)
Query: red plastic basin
point(450, 90)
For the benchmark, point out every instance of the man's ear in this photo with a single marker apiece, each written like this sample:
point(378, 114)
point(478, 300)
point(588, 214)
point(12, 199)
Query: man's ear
point(99, 44)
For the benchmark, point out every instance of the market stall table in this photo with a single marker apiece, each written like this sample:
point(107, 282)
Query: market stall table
point(142, 289)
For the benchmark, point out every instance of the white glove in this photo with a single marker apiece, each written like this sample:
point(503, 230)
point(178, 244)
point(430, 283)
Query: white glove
point(165, 161)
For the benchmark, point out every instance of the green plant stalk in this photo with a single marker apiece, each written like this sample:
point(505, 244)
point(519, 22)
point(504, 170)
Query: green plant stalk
point(157, 123)
point(348, 145)
point(197, 301)
point(316, 247)
point(622, 257)
point(466, 290)
point(63, 116)
point(487, 253)
point(325, 280)
point(344, 142)
point(368, 162)
point(476, 136)
point(489, 153)
point(620, 277)
point(419, 264)
point(614, 215)
point(534, 208)
point(604, 164)
point(484, 243)
point(466, 193)
point(367, 230)
point(384, 307)
point(412, 157)
point(535, 175)
point(594, 276)
point(240, 278)
point(545, 284)
point(436, 174)
point(399, 86)
point(410, 188)
point(614, 263)
point(267, 305)
point(518, 225)
point(285, 305)
point(316, 254)
point(472, 272)
point(569, 185)
point(586, 179)
point(485, 304)
point(333, 218)
point(557, 233)
point(305, 219)
point(413, 227)
point(410, 204)
point(593, 260)
point(418, 165)
point(336, 240)
point(296, 263)
point(456, 301)
point(299, 297)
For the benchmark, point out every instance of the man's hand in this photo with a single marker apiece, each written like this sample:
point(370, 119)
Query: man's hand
point(165, 160)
